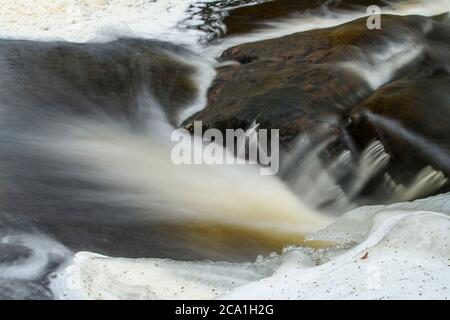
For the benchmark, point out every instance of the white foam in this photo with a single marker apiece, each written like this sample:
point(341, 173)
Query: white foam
point(94, 20)
point(405, 245)
point(105, 20)
point(43, 251)
point(203, 76)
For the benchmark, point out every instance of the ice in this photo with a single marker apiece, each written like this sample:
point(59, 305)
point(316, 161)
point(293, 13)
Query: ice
point(94, 276)
point(399, 251)
point(405, 256)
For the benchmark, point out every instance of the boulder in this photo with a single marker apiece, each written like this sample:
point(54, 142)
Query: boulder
point(296, 82)
point(336, 78)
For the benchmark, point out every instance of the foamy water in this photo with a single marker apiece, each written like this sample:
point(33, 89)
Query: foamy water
point(140, 168)
point(379, 68)
point(372, 247)
point(105, 20)
point(93, 20)
point(381, 252)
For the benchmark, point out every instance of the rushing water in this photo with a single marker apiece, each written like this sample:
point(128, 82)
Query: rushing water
point(85, 165)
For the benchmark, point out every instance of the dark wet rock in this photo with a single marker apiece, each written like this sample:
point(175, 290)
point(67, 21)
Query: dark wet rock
point(296, 82)
point(97, 77)
point(301, 82)
point(228, 18)
point(248, 18)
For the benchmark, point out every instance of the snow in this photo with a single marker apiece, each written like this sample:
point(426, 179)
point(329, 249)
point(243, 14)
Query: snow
point(399, 251)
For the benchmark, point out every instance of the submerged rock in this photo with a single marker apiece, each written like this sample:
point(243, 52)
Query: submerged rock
point(94, 78)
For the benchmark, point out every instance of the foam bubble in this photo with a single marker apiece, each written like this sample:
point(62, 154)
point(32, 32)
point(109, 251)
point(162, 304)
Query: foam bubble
point(93, 276)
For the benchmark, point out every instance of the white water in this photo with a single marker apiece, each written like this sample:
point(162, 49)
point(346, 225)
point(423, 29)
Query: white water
point(406, 244)
point(317, 184)
point(379, 68)
point(105, 20)
point(413, 234)
point(139, 167)
point(21, 276)
point(42, 251)
point(94, 20)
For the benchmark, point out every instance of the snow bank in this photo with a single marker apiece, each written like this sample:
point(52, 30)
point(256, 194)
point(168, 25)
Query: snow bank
point(399, 251)
point(406, 256)
point(93, 276)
